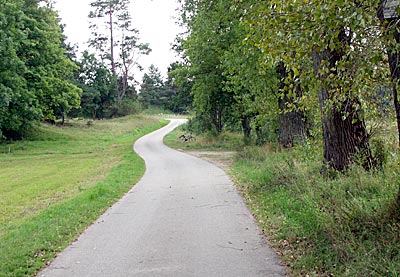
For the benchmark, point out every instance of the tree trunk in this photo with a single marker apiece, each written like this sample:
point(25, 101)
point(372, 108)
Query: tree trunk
point(217, 111)
point(113, 69)
point(343, 136)
point(124, 85)
point(391, 26)
point(394, 59)
point(246, 129)
point(217, 119)
point(396, 101)
point(291, 127)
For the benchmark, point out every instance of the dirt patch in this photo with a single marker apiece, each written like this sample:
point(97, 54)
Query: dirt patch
point(219, 158)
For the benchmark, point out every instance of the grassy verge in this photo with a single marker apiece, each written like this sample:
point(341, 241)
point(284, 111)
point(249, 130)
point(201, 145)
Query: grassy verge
point(344, 226)
point(57, 184)
point(227, 141)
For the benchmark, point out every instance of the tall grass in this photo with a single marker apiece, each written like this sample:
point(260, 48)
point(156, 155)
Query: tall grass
point(343, 226)
point(58, 182)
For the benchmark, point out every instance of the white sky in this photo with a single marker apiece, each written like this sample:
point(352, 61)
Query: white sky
point(155, 20)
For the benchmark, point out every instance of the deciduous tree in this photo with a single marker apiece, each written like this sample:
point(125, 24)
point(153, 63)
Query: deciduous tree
point(332, 45)
point(34, 69)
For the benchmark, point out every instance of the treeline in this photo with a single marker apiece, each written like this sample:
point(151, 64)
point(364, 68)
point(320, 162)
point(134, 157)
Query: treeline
point(173, 95)
point(288, 70)
point(42, 79)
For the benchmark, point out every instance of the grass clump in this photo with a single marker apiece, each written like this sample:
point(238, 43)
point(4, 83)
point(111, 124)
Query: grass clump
point(58, 182)
point(344, 226)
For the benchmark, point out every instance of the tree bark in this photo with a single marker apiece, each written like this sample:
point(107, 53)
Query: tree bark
point(217, 118)
point(125, 74)
point(113, 68)
point(394, 59)
point(391, 25)
point(291, 127)
point(344, 131)
point(246, 129)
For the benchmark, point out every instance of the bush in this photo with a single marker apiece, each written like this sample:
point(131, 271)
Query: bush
point(200, 124)
point(380, 152)
point(127, 107)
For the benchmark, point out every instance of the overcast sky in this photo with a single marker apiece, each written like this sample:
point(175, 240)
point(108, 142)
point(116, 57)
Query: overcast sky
point(155, 20)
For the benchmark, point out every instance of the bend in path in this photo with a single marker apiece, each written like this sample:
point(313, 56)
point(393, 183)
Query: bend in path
point(184, 218)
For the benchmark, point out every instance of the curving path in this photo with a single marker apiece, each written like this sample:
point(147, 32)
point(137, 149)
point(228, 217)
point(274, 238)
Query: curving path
point(184, 218)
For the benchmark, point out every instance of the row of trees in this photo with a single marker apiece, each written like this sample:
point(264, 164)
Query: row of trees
point(293, 64)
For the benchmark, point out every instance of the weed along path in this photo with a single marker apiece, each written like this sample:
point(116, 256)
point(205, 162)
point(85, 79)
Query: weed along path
point(184, 218)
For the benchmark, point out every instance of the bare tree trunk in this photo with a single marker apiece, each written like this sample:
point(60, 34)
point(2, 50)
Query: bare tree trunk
point(291, 127)
point(343, 137)
point(124, 85)
point(113, 68)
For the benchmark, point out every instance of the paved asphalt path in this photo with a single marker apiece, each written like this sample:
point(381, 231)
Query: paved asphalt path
point(184, 218)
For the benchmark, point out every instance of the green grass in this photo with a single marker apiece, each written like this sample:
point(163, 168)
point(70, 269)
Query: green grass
point(227, 141)
point(346, 226)
point(57, 183)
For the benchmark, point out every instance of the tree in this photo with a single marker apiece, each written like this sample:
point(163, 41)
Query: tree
point(292, 119)
point(329, 44)
point(130, 51)
point(254, 86)
point(97, 83)
point(204, 47)
point(152, 88)
point(181, 85)
point(111, 10)
point(122, 40)
point(392, 38)
point(48, 68)
point(34, 70)
point(18, 105)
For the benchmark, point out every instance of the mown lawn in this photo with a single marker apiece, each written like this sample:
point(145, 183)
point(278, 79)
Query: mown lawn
point(58, 181)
